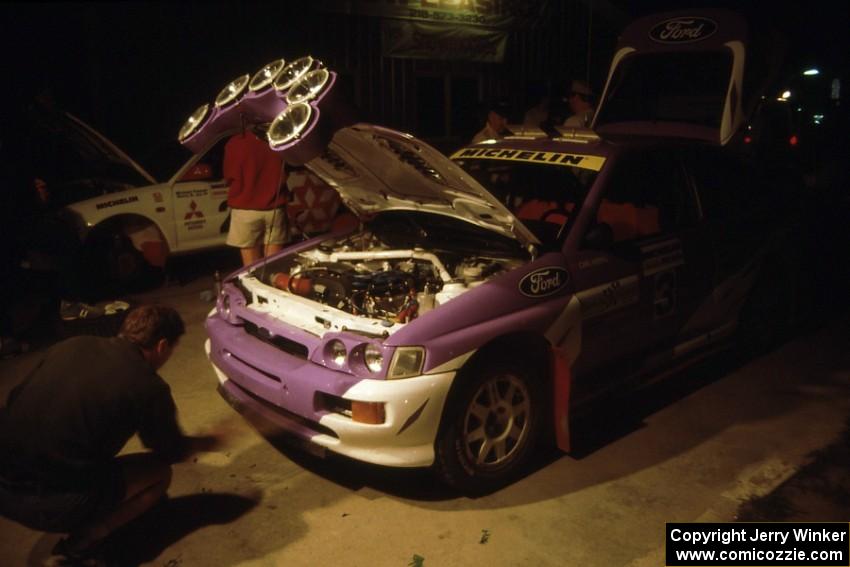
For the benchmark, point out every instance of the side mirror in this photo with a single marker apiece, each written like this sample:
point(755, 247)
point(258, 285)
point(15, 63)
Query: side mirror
point(198, 172)
point(599, 237)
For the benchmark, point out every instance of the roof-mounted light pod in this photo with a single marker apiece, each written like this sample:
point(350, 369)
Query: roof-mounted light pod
point(230, 93)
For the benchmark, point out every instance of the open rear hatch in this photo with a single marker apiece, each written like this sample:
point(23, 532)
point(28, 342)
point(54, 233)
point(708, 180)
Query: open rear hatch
point(694, 74)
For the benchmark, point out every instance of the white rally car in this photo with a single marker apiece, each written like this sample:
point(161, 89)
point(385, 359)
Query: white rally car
point(125, 218)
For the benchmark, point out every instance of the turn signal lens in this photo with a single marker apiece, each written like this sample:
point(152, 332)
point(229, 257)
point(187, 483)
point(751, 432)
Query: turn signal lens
point(406, 362)
point(368, 412)
point(193, 123)
point(232, 91)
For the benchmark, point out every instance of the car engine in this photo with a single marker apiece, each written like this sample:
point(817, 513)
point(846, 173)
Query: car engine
point(362, 275)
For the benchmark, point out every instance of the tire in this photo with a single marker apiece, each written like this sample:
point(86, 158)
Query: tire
point(490, 429)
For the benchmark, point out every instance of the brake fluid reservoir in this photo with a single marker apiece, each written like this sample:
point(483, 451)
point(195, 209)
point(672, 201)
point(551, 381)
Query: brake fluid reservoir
point(426, 299)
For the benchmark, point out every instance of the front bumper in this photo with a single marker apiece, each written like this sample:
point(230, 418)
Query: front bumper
point(290, 393)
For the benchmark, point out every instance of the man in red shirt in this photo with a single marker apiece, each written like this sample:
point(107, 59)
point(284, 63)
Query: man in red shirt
point(256, 197)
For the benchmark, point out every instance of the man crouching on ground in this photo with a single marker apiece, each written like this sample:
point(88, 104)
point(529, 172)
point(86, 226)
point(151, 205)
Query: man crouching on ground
point(66, 422)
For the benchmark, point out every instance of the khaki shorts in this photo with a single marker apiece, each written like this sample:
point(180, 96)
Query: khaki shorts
point(249, 228)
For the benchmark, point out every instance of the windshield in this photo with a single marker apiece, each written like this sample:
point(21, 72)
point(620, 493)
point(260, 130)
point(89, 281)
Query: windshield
point(668, 87)
point(544, 196)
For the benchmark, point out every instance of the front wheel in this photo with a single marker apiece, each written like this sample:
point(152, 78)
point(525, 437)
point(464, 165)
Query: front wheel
point(490, 429)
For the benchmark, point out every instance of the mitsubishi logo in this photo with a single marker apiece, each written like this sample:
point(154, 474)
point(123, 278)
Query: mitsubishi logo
point(193, 211)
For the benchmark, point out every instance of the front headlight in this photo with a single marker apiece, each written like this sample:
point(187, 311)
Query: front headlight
point(336, 352)
point(406, 362)
point(374, 358)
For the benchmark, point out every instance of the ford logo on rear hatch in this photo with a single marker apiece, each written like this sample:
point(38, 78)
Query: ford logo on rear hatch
point(683, 30)
point(543, 282)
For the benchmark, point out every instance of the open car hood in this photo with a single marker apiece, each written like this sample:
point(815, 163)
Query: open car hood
point(97, 155)
point(376, 169)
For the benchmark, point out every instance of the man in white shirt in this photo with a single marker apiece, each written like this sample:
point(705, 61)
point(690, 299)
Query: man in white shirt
point(496, 126)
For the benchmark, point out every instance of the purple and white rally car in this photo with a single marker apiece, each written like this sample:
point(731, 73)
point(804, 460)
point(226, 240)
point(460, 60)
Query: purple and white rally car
point(485, 297)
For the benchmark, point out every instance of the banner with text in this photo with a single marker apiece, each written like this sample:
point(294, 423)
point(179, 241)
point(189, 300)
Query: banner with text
point(421, 40)
point(493, 13)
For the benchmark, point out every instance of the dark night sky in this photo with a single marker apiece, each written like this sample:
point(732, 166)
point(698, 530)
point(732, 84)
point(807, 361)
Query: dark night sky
point(135, 70)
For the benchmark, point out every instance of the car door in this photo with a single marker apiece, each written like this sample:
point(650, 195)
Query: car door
point(637, 289)
point(200, 200)
point(735, 212)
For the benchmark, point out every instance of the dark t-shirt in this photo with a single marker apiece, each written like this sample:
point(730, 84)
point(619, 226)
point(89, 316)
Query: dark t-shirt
point(81, 404)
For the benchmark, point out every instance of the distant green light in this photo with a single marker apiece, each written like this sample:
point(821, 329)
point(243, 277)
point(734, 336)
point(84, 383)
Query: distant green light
point(811, 72)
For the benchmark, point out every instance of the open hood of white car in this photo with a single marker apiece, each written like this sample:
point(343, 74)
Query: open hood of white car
point(376, 169)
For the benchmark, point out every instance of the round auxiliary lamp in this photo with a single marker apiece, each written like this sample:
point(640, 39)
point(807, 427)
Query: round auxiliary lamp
point(262, 102)
point(265, 77)
point(231, 92)
point(293, 72)
point(314, 112)
point(208, 121)
point(194, 123)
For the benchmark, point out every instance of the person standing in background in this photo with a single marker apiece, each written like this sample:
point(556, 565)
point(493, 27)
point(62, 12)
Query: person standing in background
point(580, 100)
point(256, 196)
point(496, 125)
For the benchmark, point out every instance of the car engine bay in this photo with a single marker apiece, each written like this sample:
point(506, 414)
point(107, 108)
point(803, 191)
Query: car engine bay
point(367, 274)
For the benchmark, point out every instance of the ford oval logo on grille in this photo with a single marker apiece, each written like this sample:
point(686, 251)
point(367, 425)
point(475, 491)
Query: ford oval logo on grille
point(683, 30)
point(543, 282)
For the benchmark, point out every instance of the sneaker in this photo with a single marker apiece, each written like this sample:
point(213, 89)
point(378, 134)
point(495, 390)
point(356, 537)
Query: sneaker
point(70, 311)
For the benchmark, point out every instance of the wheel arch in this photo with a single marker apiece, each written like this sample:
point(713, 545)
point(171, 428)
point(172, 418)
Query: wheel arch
point(140, 229)
point(525, 346)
